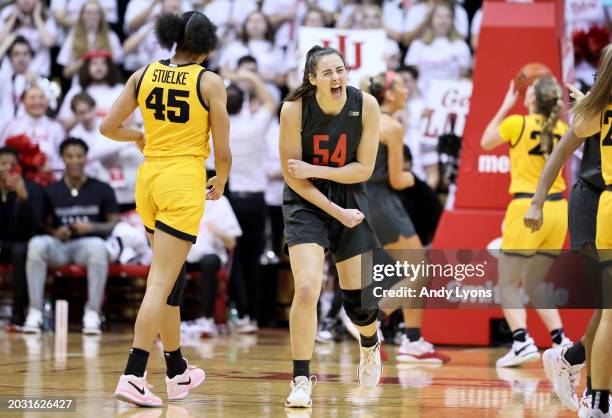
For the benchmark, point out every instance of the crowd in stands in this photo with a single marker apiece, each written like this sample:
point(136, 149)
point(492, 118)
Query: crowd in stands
point(63, 63)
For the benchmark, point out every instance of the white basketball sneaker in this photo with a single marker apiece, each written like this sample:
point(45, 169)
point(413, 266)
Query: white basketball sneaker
point(33, 323)
point(136, 390)
point(585, 405)
point(178, 387)
point(301, 392)
point(563, 376)
point(91, 322)
point(419, 351)
point(370, 366)
point(521, 352)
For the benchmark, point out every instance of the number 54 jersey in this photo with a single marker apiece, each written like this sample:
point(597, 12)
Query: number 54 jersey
point(523, 134)
point(176, 121)
point(331, 140)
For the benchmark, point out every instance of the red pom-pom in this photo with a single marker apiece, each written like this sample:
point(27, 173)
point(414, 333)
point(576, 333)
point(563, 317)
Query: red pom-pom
point(32, 159)
point(597, 39)
point(581, 46)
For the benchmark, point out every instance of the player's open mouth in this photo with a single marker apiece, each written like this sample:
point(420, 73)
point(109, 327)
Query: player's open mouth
point(336, 92)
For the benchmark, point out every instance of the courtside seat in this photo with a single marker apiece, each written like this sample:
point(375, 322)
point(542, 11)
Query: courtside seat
point(114, 270)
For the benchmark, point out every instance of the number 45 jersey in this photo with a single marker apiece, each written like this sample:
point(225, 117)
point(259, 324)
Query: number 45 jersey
point(523, 134)
point(176, 121)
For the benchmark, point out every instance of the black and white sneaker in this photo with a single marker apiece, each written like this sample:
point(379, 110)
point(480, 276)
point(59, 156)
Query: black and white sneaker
point(521, 352)
point(325, 334)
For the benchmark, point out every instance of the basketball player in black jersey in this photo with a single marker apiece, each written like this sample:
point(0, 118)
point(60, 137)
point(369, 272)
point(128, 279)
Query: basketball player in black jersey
point(328, 143)
point(391, 223)
point(563, 364)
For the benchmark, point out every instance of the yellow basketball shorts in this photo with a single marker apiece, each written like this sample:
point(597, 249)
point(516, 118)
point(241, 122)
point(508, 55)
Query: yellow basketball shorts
point(551, 236)
point(170, 195)
point(603, 237)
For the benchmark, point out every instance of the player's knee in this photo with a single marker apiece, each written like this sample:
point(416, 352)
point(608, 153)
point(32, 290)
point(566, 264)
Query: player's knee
point(360, 309)
point(174, 298)
point(306, 294)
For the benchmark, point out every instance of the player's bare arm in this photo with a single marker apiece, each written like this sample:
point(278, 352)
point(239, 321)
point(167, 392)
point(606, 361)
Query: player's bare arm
point(290, 144)
point(214, 94)
point(112, 124)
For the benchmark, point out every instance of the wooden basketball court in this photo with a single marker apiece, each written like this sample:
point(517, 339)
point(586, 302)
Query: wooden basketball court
point(248, 376)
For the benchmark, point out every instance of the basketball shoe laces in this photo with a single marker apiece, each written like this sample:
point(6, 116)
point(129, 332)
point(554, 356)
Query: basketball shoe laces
point(573, 377)
point(572, 374)
point(370, 361)
point(303, 385)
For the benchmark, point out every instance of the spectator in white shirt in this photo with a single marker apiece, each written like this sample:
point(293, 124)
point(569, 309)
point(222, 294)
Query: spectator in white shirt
point(139, 12)
point(286, 15)
point(247, 184)
point(406, 20)
point(424, 153)
point(371, 18)
point(228, 16)
point(314, 18)
point(441, 53)
point(66, 12)
point(276, 183)
point(42, 130)
point(113, 162)
point(256, 41)
point(15, 82)
point(142, 47)
point(29, 19)
point(101, 79)
point(218, 232)
point(90, 33)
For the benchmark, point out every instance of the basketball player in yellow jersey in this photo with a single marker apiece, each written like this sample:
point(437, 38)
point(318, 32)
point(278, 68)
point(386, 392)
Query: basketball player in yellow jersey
point(526, 257)
point(181, 104)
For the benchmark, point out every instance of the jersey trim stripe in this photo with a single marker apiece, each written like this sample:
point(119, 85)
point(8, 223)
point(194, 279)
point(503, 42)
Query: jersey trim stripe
point(140, 81)
point(170, 64)
point(519, 135)
point(198, 88)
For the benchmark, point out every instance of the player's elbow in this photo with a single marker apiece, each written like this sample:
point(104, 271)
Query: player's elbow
point(395, 183)
point(223, 156)
point(106, 128)
point(486, 143)
point(365, 173)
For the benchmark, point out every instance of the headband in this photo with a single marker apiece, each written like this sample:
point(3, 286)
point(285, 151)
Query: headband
point(98, 53)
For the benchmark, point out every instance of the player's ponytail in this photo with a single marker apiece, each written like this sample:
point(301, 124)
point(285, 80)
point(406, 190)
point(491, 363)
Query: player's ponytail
point(549, 103)
point(168, 29)
point(192, 32)
point(378, 85)
point(310, 68)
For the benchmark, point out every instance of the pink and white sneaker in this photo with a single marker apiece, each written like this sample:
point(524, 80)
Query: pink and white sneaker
point(136, 390)
point(178, 387)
